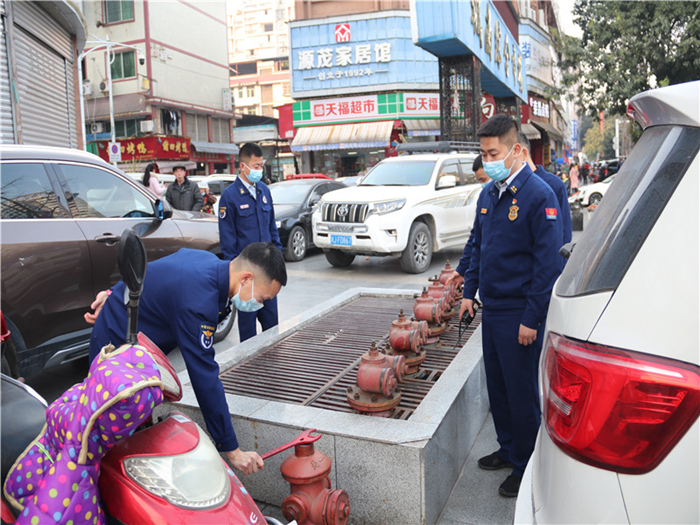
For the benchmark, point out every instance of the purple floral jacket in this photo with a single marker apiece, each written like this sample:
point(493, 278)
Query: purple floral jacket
point(55, 480)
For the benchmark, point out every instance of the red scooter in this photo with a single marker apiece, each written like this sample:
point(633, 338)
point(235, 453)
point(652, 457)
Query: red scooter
point(165, 473)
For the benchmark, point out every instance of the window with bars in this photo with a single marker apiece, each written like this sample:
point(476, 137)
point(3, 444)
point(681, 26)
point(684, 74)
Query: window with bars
point(124, 65)
point(118, 10)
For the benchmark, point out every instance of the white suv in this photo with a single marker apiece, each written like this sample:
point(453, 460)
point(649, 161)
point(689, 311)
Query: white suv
point(407, 206)
point(619, 373)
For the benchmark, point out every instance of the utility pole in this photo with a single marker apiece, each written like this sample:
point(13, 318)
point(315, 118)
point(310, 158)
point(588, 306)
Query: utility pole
point(616, 139)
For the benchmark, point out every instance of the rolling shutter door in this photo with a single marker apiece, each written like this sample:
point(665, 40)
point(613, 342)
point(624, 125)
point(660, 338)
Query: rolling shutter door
point(44, 78)
point(7, 134)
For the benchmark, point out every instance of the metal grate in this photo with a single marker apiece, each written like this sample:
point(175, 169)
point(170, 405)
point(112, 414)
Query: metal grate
point(351, 213)
point(316, 365)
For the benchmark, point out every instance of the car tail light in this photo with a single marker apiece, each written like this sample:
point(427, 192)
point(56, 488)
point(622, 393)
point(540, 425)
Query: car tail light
point(616, 409)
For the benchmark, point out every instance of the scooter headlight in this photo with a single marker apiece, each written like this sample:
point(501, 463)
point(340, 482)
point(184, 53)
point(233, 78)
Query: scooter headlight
point(196, 479)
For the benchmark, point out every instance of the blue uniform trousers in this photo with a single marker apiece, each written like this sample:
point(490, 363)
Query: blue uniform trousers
point(511, 380)
point(267, 316)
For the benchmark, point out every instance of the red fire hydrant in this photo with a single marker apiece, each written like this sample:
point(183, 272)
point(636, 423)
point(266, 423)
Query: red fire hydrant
point(312, 502)
point(431, 310)
point(407, 338)
point(437, 290)
point(375, 392)
point(456, 285)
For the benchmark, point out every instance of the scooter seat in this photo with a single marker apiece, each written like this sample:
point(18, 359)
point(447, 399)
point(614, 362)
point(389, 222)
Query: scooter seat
point(23, 417)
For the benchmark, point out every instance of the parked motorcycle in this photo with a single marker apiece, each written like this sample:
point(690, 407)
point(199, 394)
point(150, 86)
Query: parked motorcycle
point(163, 473)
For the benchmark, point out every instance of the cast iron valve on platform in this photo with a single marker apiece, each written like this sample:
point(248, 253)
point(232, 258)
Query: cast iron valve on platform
point(312, 502)
point(377, 377)
point(407, 339)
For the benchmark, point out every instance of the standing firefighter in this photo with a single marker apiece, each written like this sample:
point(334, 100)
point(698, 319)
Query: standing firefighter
point(514, 263)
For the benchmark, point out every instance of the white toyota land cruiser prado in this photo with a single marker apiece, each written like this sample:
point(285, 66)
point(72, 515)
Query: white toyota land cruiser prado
point(408, 206)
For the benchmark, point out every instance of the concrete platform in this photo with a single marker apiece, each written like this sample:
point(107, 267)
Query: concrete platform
point(395, 471)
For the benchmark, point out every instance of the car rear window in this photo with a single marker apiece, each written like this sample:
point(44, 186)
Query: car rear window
point(27, 192)
point(632, 205)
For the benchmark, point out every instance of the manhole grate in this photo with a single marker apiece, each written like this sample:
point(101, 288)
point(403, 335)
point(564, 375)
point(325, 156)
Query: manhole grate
point(315, 365)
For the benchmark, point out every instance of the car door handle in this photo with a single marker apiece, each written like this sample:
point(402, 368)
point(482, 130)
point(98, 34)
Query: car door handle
point(107, 238)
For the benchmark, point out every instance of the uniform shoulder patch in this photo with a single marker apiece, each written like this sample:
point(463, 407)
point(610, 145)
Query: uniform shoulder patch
point(206, 335)
point(484, 211)
point(551, 214)
point(222, 212)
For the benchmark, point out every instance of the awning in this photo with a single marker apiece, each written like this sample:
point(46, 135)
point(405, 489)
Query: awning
point(345, 136)
point(549, 129)
point(124, 106)
point(422, 127)
point(215, 147)
point(530, 131)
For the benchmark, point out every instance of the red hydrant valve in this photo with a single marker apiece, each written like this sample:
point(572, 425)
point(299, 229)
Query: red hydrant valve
point(312, 502)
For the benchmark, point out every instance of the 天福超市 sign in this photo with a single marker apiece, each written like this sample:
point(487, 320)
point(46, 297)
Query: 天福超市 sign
point(366, 108)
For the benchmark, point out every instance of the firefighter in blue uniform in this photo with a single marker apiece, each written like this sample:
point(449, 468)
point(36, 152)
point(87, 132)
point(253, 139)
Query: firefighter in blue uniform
point(514, 263)
point(246, 215)
point(557, 185)
point(183, 295)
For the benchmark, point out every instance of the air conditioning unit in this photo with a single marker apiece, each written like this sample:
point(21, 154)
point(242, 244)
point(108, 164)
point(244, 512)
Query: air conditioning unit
point(87, 88)
point(146, 126)
point(97, 127)
point(103, 86)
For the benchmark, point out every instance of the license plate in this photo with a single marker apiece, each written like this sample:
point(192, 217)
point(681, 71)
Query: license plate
point(341, 240)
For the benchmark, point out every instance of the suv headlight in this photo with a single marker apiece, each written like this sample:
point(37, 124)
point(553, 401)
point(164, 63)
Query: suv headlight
point(195, 480)
point(381, 208)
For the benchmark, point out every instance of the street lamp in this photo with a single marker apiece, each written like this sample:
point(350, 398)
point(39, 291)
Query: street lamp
point(100, 44)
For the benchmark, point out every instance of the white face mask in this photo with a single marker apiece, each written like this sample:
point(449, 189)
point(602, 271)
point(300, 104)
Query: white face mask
point(251, 305)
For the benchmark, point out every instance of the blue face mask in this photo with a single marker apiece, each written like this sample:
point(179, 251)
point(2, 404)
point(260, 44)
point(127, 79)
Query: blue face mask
point(251, 305)
point(497, 170)
point(254, 175)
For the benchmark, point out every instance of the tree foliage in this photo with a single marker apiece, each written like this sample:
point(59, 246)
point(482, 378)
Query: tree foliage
point(625, 45)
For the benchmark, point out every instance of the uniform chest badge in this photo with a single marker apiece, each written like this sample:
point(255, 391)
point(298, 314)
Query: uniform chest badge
point(245, 206)
point(264, 199)
point(242, 191)
point(513, 213)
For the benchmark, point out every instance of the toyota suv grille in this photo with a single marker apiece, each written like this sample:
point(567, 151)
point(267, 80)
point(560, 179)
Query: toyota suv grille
point(345, 212)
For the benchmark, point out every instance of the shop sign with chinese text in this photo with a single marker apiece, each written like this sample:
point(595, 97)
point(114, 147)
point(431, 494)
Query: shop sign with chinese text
point(148, 148)
point(449, 28)
point(366, 108)
point(357, 54)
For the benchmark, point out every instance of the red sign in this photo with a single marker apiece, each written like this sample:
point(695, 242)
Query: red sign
point(149, 148)
point(488, 107)
point(342, 33)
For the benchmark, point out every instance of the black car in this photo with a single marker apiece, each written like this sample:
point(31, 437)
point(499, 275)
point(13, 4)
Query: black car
point(294, 202)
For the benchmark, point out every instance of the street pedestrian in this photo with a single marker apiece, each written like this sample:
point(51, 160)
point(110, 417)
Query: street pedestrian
point(514, 263)
point(558, 187)
point(184, 296)
point(246, 215)
point(183, 194)
point(584, 174)
point(573, 177)
point(150, 180)
point(209, 200)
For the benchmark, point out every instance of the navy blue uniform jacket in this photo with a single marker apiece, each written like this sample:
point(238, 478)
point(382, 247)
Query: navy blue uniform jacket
point(515, 257)
point(243, 219)
point(559, 189)
point(183, 294)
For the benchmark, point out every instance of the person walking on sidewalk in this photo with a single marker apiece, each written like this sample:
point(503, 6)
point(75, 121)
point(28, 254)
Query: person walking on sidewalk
point(514, 263)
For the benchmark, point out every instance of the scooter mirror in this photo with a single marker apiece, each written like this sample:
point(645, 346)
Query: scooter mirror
point(131, 260)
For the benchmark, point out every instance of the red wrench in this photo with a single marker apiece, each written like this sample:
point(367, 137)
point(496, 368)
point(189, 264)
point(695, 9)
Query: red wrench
point(303, 438)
